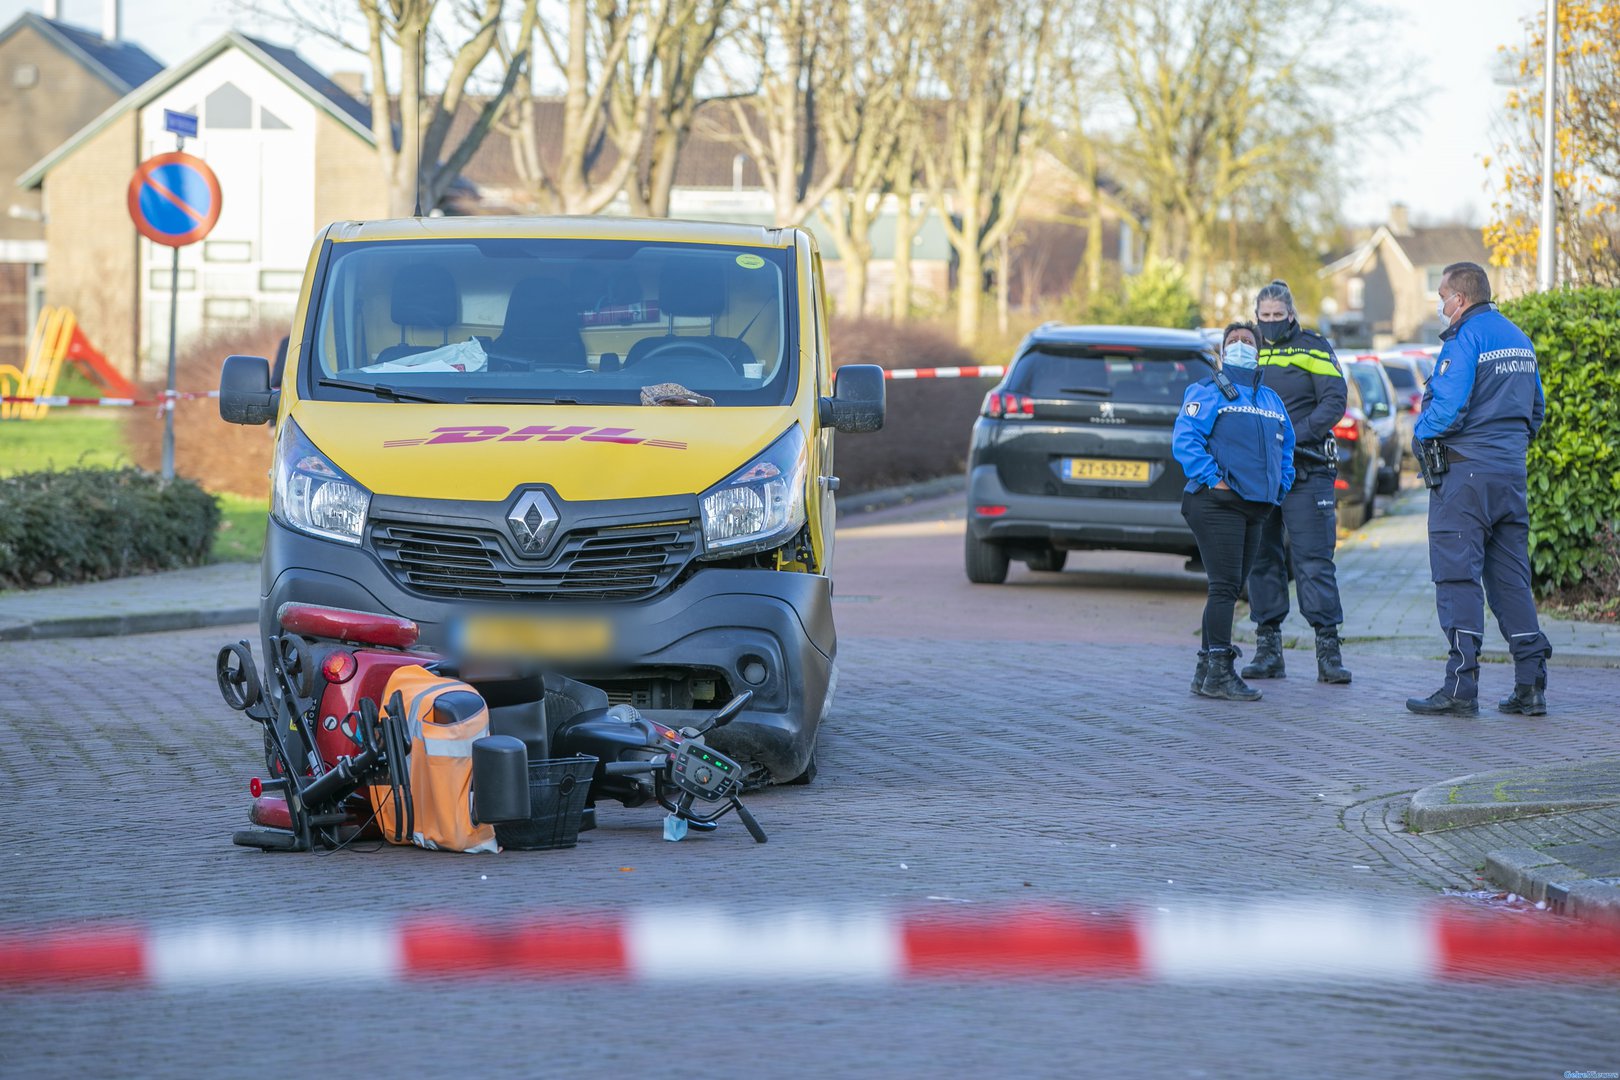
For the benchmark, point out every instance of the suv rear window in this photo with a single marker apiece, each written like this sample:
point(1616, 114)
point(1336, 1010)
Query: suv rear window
point(1145, 377)
point(1402, 376)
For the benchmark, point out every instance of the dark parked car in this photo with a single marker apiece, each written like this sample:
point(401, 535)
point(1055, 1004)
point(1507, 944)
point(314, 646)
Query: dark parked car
point(1406, 373)
point(1359, 457)
point(1378, 401)
point(1072, 449)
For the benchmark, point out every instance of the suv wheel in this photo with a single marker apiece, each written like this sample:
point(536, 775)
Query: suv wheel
point(986, 562)
point(1050, 559)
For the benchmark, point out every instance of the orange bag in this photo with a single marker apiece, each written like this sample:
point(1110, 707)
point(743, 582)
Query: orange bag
point(443, 717)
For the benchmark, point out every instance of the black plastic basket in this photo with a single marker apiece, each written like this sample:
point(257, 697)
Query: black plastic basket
point(557, 792)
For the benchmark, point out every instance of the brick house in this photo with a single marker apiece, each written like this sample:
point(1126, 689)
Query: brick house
point(293, 151)
point(54, 79)
point(1382, 292)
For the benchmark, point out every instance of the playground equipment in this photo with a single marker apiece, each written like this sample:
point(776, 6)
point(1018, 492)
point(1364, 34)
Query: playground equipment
point(57, 338)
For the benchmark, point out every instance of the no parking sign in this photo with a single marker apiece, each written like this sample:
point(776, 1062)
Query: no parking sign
point(174, 199)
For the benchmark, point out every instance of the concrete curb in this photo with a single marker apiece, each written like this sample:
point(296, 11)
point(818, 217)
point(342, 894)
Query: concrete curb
point(883, 498)
point(1440, 806)
point(151, 622)
point(1539, 877)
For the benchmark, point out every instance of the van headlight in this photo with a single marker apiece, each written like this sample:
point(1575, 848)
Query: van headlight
point(312, 495)
point(761, 505)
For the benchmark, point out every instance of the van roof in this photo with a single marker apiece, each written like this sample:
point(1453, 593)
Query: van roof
point(567, 228)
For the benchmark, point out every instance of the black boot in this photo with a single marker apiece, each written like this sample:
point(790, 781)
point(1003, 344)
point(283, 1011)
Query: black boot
point(1441, 703)
point(1329, 663)
point(1527, 699)
point(1200, 671)
point(1222, 681)
point(1268, 657)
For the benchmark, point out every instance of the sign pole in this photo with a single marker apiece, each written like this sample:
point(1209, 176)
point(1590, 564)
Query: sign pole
point(174, 200)
point(168, 398)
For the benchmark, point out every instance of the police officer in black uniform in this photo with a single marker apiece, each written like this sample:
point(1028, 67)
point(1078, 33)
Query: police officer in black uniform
point(1482, 407)
point(1300, 366)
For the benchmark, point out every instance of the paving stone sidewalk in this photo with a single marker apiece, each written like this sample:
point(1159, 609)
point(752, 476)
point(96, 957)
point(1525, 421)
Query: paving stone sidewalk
point(1388, 598)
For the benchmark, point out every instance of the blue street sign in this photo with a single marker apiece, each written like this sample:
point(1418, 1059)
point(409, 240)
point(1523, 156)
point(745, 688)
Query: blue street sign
point(174, 199)
point(182, 124)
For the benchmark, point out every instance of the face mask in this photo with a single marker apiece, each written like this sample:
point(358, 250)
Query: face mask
point(1441, 309)
point(1273, 332)
point(1239, 354)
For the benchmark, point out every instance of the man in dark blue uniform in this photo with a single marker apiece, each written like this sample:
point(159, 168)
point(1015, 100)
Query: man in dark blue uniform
point(1481, 409)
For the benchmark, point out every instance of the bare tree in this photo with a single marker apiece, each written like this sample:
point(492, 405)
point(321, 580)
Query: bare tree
point(864, 105)
point(796, 50)
point(1230, 97)
point(696, 29)
point(994, 76)
point(603, 53)
point(903, 180)
point(420, 168)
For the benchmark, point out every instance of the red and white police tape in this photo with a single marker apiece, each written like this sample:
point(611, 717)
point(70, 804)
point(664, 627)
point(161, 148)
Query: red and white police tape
point(60, 402)
point(1213, 944)
point(987, 372)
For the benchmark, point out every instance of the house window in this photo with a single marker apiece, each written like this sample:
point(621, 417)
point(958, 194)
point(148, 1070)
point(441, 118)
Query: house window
point(280, 280)
point(269, 121)
point(228, 109)
point(1432, 276)
point(1355, 293)
point(227, 250)
point(159, 279)
point(227, 309)
point(24, 76)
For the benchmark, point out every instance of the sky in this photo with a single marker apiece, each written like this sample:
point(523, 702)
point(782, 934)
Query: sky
point(1435, 169)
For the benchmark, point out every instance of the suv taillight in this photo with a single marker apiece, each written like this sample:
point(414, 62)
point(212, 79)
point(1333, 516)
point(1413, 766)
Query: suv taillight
point(1000, 405)
point(1346, 428)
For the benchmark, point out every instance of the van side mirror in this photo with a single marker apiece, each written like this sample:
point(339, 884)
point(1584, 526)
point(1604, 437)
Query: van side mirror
point(245, 396)
point(858, 400)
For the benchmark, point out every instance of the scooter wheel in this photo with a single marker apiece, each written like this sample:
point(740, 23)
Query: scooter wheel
point(238, 679)
point(297, 663)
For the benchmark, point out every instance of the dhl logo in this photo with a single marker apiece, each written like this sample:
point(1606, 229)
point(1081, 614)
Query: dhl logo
point(477, 433)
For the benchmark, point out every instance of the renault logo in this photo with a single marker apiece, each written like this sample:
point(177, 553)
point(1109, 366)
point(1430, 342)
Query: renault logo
point(533, 519)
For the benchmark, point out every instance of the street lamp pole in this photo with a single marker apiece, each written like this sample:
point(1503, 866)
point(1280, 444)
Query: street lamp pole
point(1546, 259)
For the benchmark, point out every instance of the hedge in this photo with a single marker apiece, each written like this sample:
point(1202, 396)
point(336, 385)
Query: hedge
point(91, 524)
point(925, 434)
point(1574, 463)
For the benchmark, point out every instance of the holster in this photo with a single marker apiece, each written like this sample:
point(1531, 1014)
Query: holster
point(1323, 458)
point(1431, 461)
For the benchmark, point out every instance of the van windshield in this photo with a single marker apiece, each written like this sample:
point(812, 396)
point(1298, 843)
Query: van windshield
point(610, 322)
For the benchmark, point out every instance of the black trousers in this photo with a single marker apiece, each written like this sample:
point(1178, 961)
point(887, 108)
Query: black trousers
point(1227, 528)
point(1309, 516)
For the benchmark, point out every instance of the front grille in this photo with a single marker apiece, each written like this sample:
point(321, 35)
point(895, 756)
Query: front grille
point(624, 563)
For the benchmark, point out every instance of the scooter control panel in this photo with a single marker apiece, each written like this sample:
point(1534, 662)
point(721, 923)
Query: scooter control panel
point(705, 773)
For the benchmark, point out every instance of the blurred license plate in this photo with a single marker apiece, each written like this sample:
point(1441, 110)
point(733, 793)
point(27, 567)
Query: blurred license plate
point(535, 636)
point(1119, 472)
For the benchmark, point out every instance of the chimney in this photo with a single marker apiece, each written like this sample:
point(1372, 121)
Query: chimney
point(53, 9)
point(1398, 224)
point(112, 18)
point(352, 83)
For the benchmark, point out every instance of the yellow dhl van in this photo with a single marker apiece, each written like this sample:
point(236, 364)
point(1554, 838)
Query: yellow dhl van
point(604, 442)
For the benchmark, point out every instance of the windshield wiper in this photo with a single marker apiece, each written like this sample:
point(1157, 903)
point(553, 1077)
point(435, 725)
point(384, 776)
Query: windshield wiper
point(532, 401)
point(1099, 391)
point(380, 390)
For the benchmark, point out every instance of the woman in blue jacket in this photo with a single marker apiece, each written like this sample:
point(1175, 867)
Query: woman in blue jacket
point(1236, 445)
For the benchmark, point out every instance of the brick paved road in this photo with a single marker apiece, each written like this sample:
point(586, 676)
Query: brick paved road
point(1039, 745)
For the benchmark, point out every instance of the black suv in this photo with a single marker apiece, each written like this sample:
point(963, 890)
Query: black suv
point(1072, 449)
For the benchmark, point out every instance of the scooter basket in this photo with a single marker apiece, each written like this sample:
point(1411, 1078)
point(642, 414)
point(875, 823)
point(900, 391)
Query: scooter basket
point(557, 792)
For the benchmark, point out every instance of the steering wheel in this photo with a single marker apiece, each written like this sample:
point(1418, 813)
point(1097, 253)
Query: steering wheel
point(689, 345)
